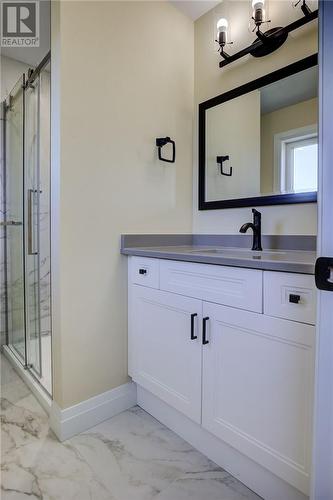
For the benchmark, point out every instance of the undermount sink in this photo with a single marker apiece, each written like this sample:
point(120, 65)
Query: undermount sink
point(243, 253)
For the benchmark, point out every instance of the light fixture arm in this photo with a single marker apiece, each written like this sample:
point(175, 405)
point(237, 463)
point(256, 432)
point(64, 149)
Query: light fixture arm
point(261, 36)
point(305, 8)
point(224, 54)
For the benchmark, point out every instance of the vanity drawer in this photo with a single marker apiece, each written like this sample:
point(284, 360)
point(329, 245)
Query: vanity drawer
point(290, 296)
point(144, 271)
point(230, 286)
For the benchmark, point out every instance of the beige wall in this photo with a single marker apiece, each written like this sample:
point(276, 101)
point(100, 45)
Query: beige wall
point(284, 119)
point(126, 77)
point(225, 124)
point(210, 81)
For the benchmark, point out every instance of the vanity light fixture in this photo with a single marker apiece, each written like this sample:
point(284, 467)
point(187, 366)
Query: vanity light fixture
point(266, 42)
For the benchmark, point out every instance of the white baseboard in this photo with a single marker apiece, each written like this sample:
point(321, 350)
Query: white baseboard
point(81, 417)
point(256, 477)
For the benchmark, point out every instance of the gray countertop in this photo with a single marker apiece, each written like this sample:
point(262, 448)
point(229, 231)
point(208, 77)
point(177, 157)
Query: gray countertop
point(287, 260)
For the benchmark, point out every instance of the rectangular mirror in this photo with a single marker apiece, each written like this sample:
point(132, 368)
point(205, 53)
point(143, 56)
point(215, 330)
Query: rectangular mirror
point(258, 143)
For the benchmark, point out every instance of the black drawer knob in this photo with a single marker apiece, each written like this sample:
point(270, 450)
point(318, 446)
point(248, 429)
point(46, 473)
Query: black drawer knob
point(142, 271)
point(294, 299)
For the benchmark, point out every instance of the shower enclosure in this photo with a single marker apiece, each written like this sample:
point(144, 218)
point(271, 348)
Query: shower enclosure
point(26, 223)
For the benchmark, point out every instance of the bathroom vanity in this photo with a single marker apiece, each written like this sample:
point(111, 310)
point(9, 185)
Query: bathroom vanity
point(223, 353)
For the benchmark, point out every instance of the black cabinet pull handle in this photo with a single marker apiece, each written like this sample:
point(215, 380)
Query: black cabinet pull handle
point(204, 331)
point(294, 299)
point(193, 316)
point(142, 271)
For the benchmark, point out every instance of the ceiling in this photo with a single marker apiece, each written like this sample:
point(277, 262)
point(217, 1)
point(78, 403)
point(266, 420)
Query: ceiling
point(291, 90)
point(195, 9)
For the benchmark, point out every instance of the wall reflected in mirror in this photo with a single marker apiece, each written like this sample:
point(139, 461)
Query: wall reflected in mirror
point(264, 142)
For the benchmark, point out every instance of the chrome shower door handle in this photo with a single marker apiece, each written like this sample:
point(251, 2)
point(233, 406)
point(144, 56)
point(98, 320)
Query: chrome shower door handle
point(30, 223)
point(10, 223)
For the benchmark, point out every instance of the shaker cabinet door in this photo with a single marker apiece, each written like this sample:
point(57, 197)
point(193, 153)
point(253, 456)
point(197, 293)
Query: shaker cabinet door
point(257, 388)
point(166, 347)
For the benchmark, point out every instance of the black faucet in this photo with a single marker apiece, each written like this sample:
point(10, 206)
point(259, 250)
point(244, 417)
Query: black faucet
point(256, 227)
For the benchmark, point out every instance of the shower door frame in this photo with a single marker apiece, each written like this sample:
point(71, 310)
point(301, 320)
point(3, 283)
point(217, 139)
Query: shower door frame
point(32, 167)
point(24, 360)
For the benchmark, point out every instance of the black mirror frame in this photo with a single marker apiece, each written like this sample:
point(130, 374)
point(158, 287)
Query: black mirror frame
point(278, 199)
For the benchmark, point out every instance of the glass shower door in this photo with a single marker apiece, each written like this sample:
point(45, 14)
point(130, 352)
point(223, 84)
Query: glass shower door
point(32, 229)
point(14, 220)
point(22, 225)
point(27, 223)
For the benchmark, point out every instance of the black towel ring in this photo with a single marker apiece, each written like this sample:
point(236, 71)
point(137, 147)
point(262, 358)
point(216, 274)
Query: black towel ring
point(162, 141)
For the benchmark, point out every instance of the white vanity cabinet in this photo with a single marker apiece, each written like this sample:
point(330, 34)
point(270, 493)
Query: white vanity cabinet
point(212, 343)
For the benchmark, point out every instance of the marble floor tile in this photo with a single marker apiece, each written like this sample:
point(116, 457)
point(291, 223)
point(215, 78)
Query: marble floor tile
point(132, 456)
point(218, 485)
